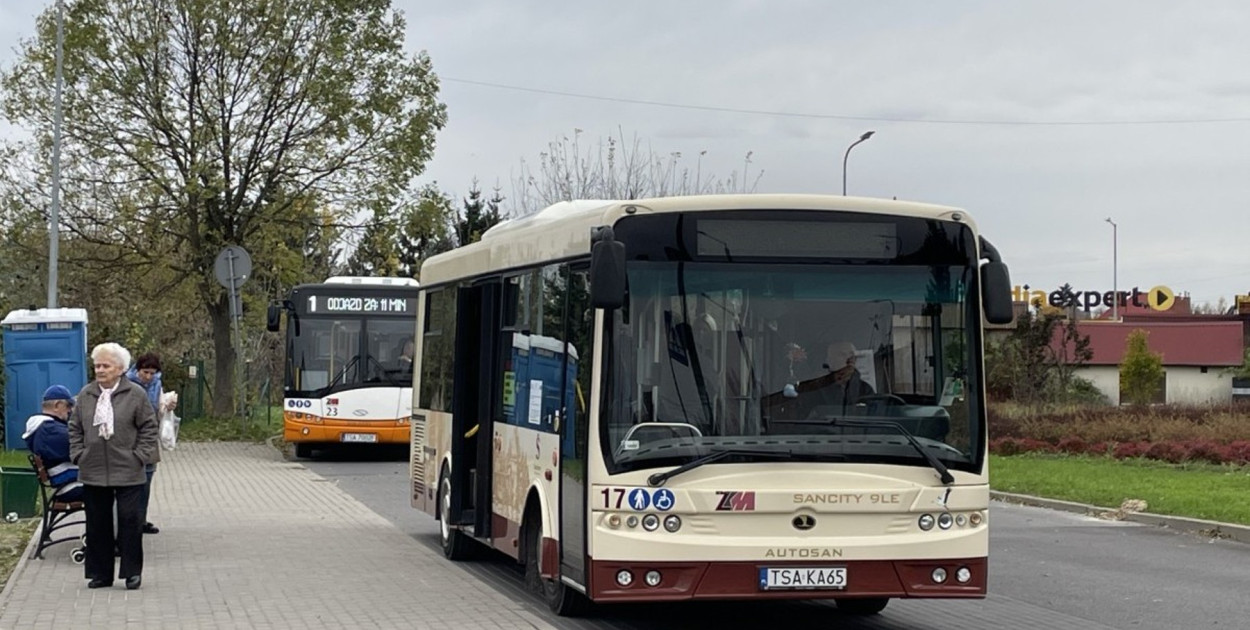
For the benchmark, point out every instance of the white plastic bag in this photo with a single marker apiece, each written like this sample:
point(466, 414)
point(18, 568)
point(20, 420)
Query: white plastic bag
point(169, 421)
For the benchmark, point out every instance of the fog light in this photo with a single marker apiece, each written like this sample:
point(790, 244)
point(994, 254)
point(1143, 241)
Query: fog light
point(963, 575)
point(632, 521)
point(305, 430)
point(614, 521)
point(672, 522)
point(624, 577)
point(650, 522)
point(939, 575)
point(975, 519)
point(652, 578)
point(926, 522)
point(961, 520)
point(945, 520)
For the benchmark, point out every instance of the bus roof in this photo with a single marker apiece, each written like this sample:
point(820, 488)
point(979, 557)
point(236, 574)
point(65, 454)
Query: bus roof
point(562, 230)
point(406, 282)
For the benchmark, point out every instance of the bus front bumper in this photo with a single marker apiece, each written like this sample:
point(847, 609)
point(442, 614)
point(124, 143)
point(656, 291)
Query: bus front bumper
point(328, 431)
point(744, 580)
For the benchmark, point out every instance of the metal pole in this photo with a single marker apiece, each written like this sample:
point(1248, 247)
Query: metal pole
point(54, 214)
point(234, 319)
point(865, 136)
point(1115, 272)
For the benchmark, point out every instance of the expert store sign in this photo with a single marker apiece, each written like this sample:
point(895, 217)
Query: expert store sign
point(1159, 298)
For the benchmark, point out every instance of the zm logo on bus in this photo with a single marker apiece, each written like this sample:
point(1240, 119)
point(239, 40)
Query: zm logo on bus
point(735, 501)
point(296, 403)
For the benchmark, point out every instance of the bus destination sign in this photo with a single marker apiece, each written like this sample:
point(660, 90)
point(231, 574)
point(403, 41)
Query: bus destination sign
point(330, 304)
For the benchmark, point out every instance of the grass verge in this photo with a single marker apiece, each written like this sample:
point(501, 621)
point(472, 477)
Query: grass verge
point(256, 429)
point(1206, 491)
point(14, 537)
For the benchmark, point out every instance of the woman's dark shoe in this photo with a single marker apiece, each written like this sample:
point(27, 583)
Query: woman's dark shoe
point(98, 583)
point(133, 582)
point(149, 528)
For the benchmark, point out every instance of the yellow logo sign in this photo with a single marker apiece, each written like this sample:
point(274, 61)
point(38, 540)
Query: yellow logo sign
point(1160, 298)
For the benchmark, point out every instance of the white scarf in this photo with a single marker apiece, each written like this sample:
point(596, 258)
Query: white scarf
point(104, 413)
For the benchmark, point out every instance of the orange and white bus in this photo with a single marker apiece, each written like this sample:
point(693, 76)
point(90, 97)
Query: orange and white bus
point(349, 358)
point(713, 397)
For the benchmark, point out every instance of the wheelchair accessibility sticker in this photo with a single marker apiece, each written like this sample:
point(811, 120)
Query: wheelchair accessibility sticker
point(663, 499)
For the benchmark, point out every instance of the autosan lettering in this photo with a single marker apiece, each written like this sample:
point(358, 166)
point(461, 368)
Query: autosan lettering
point(1066, 297)
point(803, 552)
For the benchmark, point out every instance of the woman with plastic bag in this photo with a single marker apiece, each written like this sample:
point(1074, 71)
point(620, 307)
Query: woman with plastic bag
point(147, 374)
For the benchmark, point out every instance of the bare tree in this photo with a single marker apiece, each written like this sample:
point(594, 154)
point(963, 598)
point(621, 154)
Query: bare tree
point(616, 168)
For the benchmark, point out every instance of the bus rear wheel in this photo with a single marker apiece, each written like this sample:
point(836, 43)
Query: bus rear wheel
point(559, 597)
point(863, 605)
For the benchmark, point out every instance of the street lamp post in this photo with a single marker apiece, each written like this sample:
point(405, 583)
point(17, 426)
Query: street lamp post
point(1115, 289)
point(867, 135)
point(54, 211)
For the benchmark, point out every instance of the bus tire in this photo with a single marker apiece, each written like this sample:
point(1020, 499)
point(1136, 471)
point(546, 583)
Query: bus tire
point(456, 546)
point(303, 451)
point(559, 597)
point(863, 605)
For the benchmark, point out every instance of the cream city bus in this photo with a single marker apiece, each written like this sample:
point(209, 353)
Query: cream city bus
point(349, 361)
point(713, 397)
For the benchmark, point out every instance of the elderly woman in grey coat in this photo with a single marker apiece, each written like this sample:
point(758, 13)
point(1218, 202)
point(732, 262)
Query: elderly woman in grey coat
point(113, 435)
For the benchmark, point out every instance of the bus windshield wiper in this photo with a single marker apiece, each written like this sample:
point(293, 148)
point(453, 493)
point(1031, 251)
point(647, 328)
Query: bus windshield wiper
point(658, 479)
point(943, 473)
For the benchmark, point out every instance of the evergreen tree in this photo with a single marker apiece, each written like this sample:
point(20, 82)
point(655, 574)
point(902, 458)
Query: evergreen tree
point(1141, 371)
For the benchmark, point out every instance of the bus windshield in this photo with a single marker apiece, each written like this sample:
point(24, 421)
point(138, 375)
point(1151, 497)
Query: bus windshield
point(333, 354)
point(815, 362)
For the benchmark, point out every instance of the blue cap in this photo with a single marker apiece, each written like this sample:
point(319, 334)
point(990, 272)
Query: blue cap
point(58, 392)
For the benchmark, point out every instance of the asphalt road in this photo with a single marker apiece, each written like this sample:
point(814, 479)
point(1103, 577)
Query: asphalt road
point(1047, 570)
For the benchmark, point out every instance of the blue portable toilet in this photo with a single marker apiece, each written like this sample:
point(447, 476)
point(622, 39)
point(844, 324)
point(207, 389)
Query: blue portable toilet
point(42, 347)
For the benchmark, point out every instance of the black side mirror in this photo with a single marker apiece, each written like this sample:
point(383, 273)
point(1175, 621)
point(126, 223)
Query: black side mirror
point(996, 293)
point(607, 271)
point(273, 318)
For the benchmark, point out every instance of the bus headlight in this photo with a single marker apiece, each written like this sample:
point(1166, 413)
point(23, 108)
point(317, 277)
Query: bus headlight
point(926, 522)
point(632, 521)
point(672, 522)
point(650, 522)
point(961, 520)
point(939, 575)
point(652, 578)
point(624, 577)
point(963, 575)
point(945, 520)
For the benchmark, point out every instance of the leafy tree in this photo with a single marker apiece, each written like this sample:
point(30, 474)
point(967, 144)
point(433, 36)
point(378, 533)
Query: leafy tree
point(195, 124)
point(1038, 359)
point(1141, 371)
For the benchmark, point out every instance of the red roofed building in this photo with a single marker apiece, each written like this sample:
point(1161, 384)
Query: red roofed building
point(1196, 352)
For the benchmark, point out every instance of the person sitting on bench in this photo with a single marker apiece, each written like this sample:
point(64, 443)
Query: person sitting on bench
point(47, 435)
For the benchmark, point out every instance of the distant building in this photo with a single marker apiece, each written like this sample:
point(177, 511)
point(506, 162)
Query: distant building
point(1197, 353)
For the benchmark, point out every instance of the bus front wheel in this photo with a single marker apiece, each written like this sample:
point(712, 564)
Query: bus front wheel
point(455, 543)
point(559, 597)
point(303, 451)
point(863, 605)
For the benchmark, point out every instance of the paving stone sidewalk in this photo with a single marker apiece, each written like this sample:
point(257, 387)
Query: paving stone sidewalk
point(249, 540)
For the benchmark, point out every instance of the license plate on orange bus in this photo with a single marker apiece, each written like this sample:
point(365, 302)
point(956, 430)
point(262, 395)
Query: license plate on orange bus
point(806, 578)
point(360, 437)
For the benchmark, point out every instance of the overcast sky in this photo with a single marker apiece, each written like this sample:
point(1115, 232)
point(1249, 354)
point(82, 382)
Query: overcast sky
point(1154, 99)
